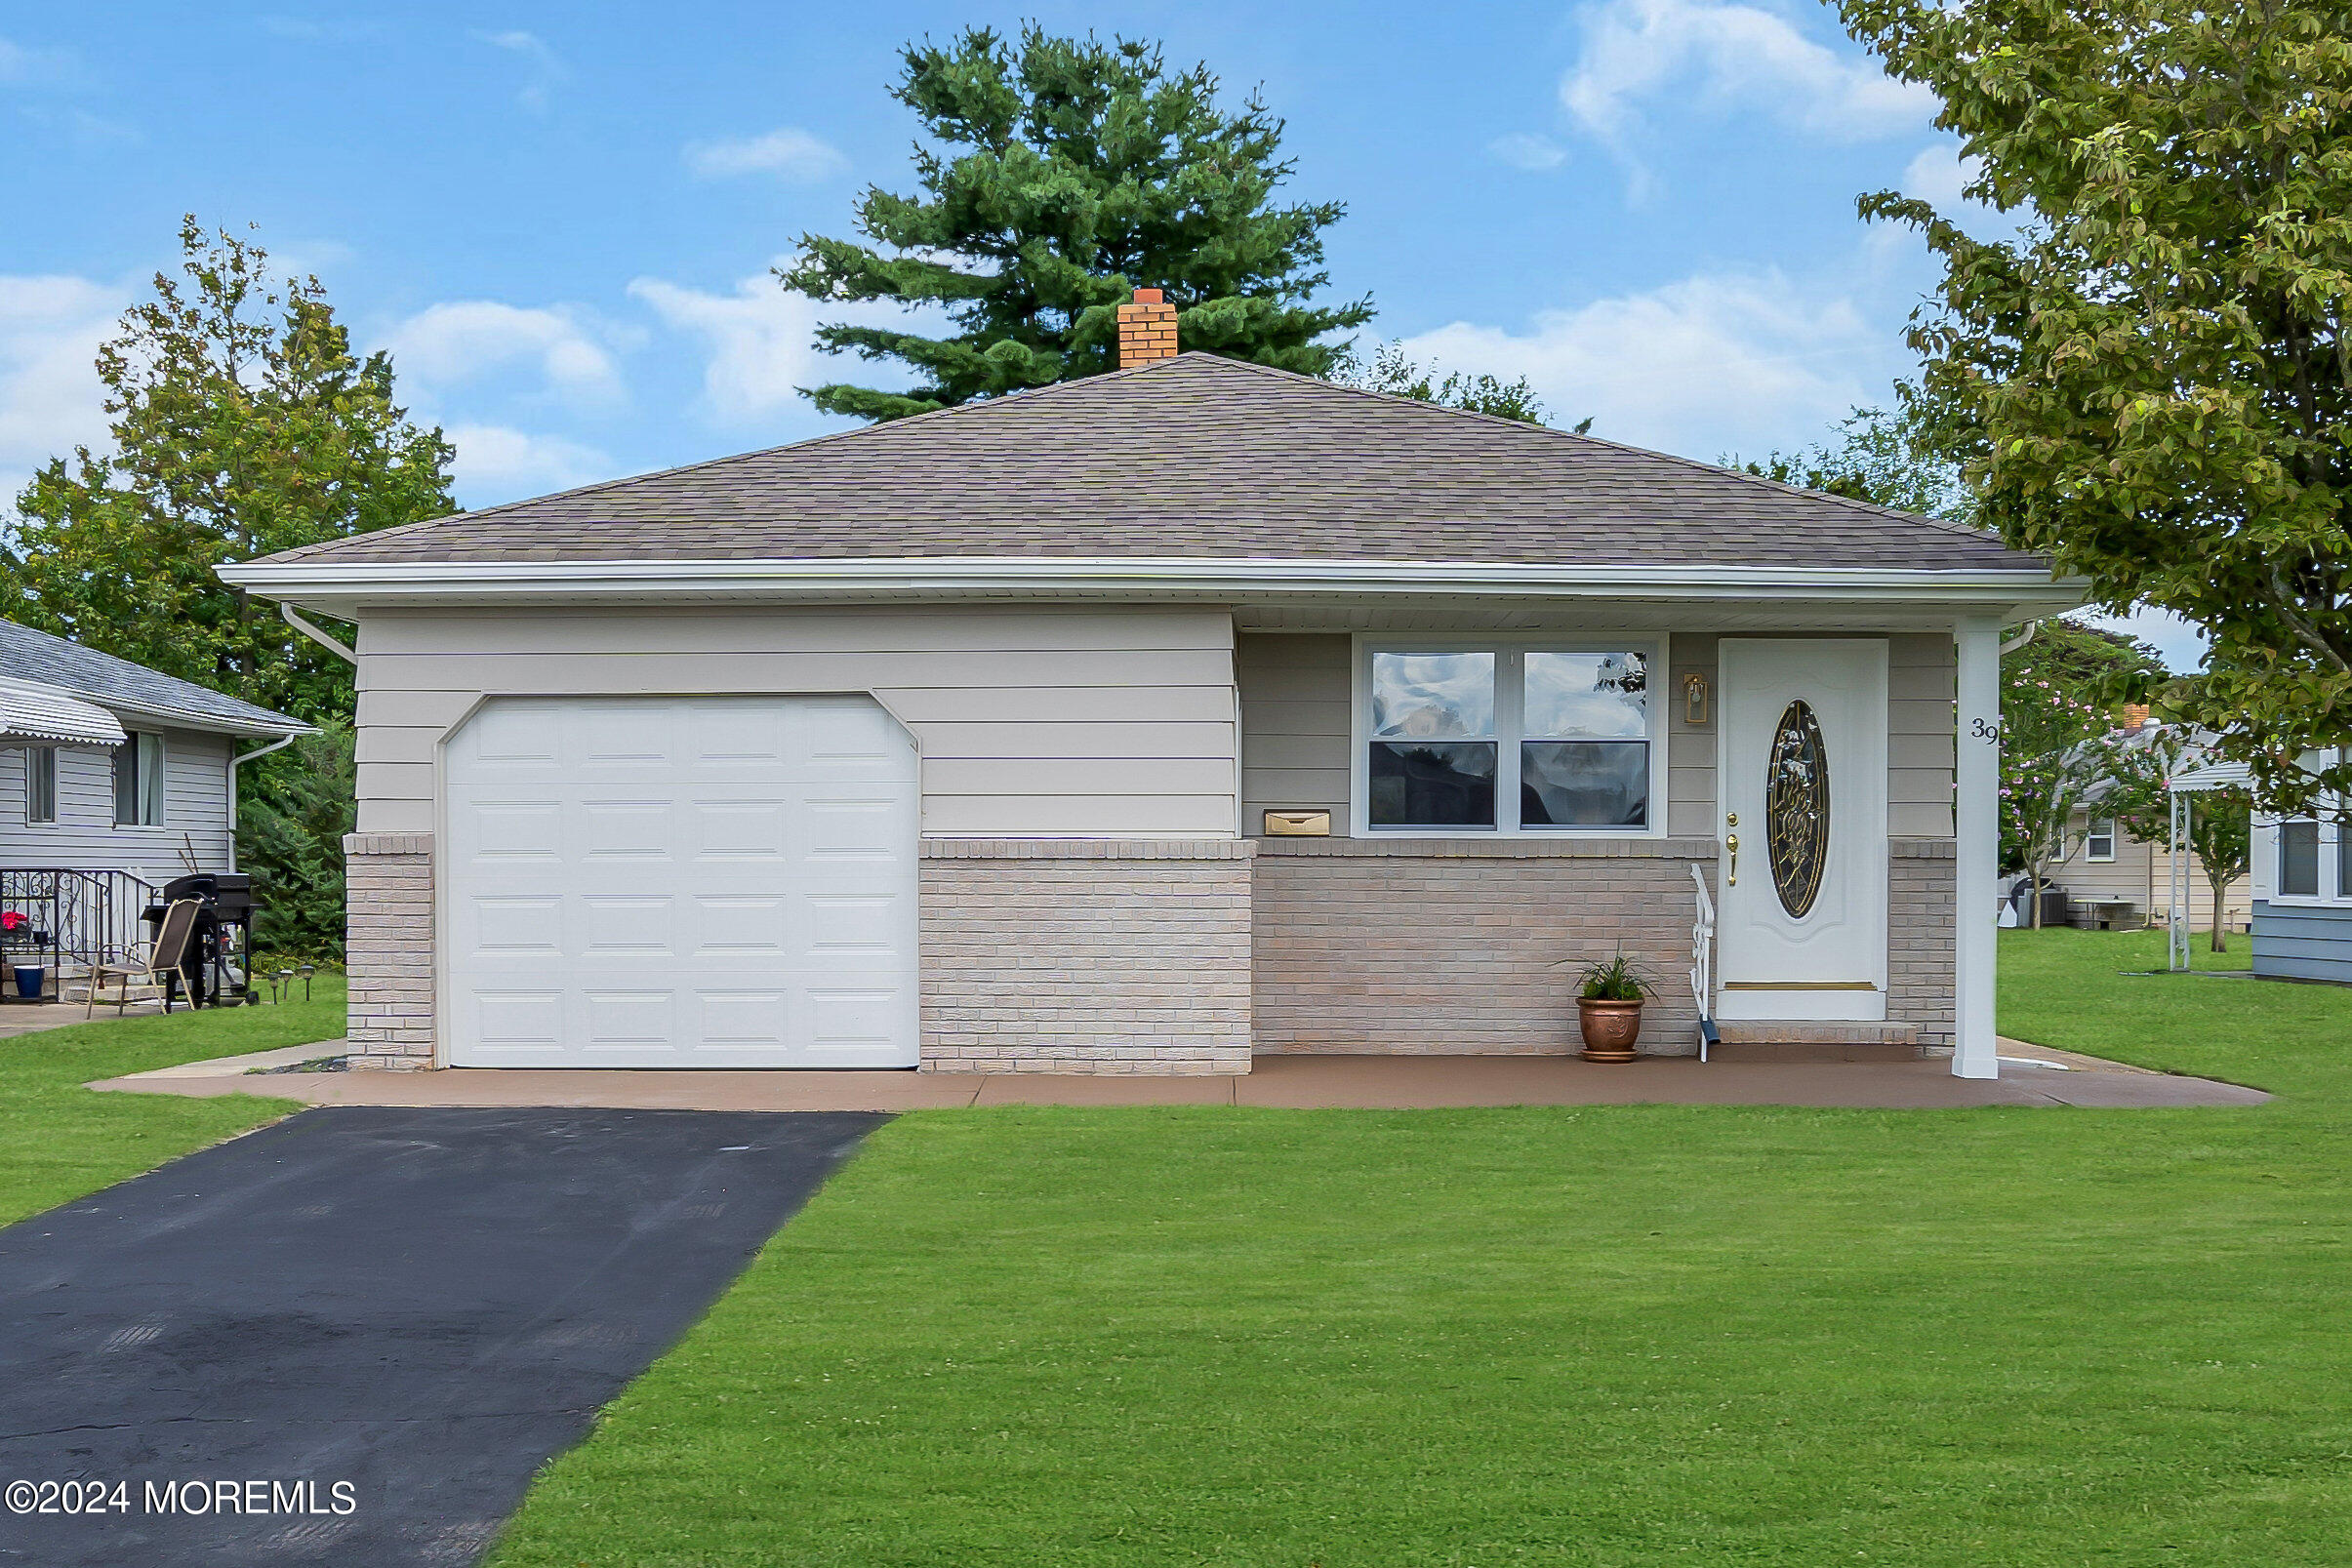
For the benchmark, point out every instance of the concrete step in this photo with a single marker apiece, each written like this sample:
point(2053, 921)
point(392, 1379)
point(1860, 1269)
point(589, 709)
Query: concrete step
point(1810, 1040)
point(1811, 1031)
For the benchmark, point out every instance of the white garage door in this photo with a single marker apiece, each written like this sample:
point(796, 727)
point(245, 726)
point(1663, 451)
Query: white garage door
point(681, 882)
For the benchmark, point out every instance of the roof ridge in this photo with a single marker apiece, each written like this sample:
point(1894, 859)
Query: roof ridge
point(1530, 427)
point(824, 438)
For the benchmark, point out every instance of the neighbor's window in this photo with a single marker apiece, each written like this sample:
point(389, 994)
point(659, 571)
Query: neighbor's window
point(40, 784)
point(2343, 859)
point(2098, 839)
point(2300, 859)
point(138, 781)
point(1515, 740)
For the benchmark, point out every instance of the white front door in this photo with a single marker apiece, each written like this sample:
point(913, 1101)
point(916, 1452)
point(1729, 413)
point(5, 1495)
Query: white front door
point(1802, 932)
point(680, 882)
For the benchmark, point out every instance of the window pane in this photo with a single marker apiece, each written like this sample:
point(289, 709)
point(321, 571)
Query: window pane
point(126, 782)
point(41, 784)
point(1605, 696)
point(150, 779)
point(1584, 783)
point(1433, 696)
point(2343, 859)
point(2099, 843)
point(2298, 859)
point(1432, 786)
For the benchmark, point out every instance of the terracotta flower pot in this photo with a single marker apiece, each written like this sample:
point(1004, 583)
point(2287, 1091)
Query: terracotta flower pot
point(1611, 1029)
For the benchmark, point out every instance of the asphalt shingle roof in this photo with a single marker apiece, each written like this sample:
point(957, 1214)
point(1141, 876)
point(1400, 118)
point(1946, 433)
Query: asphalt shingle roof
point(1195, 457)
point(103, 678)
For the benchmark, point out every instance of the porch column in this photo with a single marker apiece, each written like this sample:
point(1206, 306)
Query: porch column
point(1976, 824)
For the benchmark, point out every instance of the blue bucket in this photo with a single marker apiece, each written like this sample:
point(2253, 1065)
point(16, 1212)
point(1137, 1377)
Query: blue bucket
point(30, 978)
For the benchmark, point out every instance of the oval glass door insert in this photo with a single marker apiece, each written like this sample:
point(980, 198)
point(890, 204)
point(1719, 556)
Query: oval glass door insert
point(1797, 809)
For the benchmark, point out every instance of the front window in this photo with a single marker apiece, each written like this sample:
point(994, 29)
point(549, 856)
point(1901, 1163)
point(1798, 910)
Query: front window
point(2098, 840)
point(1508, 739)
point(138, 781)
point(2343, 859)
point(40, 786)
point(2300, 859)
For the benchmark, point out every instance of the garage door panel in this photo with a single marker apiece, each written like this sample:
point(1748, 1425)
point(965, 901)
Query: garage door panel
point(693, 882)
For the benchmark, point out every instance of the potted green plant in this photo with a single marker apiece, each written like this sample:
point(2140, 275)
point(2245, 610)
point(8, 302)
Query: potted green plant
point(1608, 1010)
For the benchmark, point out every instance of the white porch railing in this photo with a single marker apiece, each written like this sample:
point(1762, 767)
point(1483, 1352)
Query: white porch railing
point(1702, 962)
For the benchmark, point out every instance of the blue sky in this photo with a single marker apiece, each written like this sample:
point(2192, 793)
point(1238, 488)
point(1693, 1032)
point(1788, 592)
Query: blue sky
point(560, 218)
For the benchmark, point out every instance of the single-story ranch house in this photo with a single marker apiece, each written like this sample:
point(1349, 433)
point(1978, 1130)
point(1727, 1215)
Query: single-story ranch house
point(1140, 723)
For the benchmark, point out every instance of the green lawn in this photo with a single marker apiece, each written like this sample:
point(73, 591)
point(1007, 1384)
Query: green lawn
point(1607, 1335)
point(59, 1140)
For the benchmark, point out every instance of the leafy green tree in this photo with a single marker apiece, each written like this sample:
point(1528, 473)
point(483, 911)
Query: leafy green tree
point(242, 425)
point(2055, 727)
point(1888, 458)
point(1392, 371)
point(2152, 380)
point(2220, 821)
point(1059, 177)
point(296, 806)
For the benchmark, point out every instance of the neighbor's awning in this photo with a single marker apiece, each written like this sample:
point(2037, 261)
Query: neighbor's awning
point(2211, 776)
point(34, 715)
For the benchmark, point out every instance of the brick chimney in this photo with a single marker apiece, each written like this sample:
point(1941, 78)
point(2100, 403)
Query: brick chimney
point(1147, 329)
point(2135, 716)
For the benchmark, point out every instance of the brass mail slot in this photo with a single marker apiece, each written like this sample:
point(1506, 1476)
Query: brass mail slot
point(1298, 825)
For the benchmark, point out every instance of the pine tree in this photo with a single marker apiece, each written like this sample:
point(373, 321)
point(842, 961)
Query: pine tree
point(243, 425)
point(1060, 178)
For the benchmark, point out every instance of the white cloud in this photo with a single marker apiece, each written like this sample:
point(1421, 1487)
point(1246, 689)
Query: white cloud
point(1729, 57)
point(470, 339)
point(787, 153)
point(496, 463)
point(1524, 150)
point(1700, 367)
point(546, 69)
point(50, 399)
point(759, 342)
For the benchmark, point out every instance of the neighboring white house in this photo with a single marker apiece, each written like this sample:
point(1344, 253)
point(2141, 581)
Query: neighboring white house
point(114, 779)
point(2303, 919)
point(1143, 722)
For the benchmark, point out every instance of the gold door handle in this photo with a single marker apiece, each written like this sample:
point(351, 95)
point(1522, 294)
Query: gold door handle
point(1732, 844)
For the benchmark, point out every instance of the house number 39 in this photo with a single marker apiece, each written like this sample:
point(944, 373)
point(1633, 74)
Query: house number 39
point(1982, 730)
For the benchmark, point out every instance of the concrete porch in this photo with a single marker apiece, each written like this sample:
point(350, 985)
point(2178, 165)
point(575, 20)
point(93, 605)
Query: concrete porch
point(1859, 1075)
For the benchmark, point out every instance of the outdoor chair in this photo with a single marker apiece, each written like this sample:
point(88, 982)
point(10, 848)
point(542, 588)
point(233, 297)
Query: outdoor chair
point(163, 956)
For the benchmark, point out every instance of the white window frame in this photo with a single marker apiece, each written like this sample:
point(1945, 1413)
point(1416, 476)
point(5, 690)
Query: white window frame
point(2092, 833)
point(162, 795)
point(1509, 695)
point(2270, 862)
point(36, 758)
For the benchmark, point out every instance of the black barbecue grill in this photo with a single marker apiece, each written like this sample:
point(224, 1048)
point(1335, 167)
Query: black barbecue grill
point(217, 970)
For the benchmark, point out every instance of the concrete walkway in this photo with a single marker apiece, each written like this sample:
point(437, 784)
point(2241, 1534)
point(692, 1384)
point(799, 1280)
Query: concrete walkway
point(1762, 1075)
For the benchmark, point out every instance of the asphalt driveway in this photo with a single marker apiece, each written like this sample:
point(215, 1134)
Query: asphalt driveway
point(421, 1304)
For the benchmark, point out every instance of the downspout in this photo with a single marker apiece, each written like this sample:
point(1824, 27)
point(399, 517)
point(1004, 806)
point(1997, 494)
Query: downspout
point(2021, 639)
point(236, 762)
point(332, 646)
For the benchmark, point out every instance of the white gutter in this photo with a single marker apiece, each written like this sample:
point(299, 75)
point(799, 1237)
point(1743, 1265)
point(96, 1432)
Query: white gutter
point(424, 582)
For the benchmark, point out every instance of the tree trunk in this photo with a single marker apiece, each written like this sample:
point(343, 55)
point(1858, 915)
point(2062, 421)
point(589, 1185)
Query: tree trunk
point(2033, 892)
point(2221, 900)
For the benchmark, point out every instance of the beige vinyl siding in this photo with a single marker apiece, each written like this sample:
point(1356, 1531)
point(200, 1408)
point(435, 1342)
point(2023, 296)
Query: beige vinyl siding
point(1030, 722)
point(84, 837)
point(1921, 684)
point(2142, 872)
point(1691, 747)
point(1295, 692)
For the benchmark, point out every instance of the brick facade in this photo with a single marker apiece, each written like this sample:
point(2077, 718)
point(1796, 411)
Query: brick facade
point(1919, 946)
point(388, 949)
point(1466, 947)
point(1086, 955)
